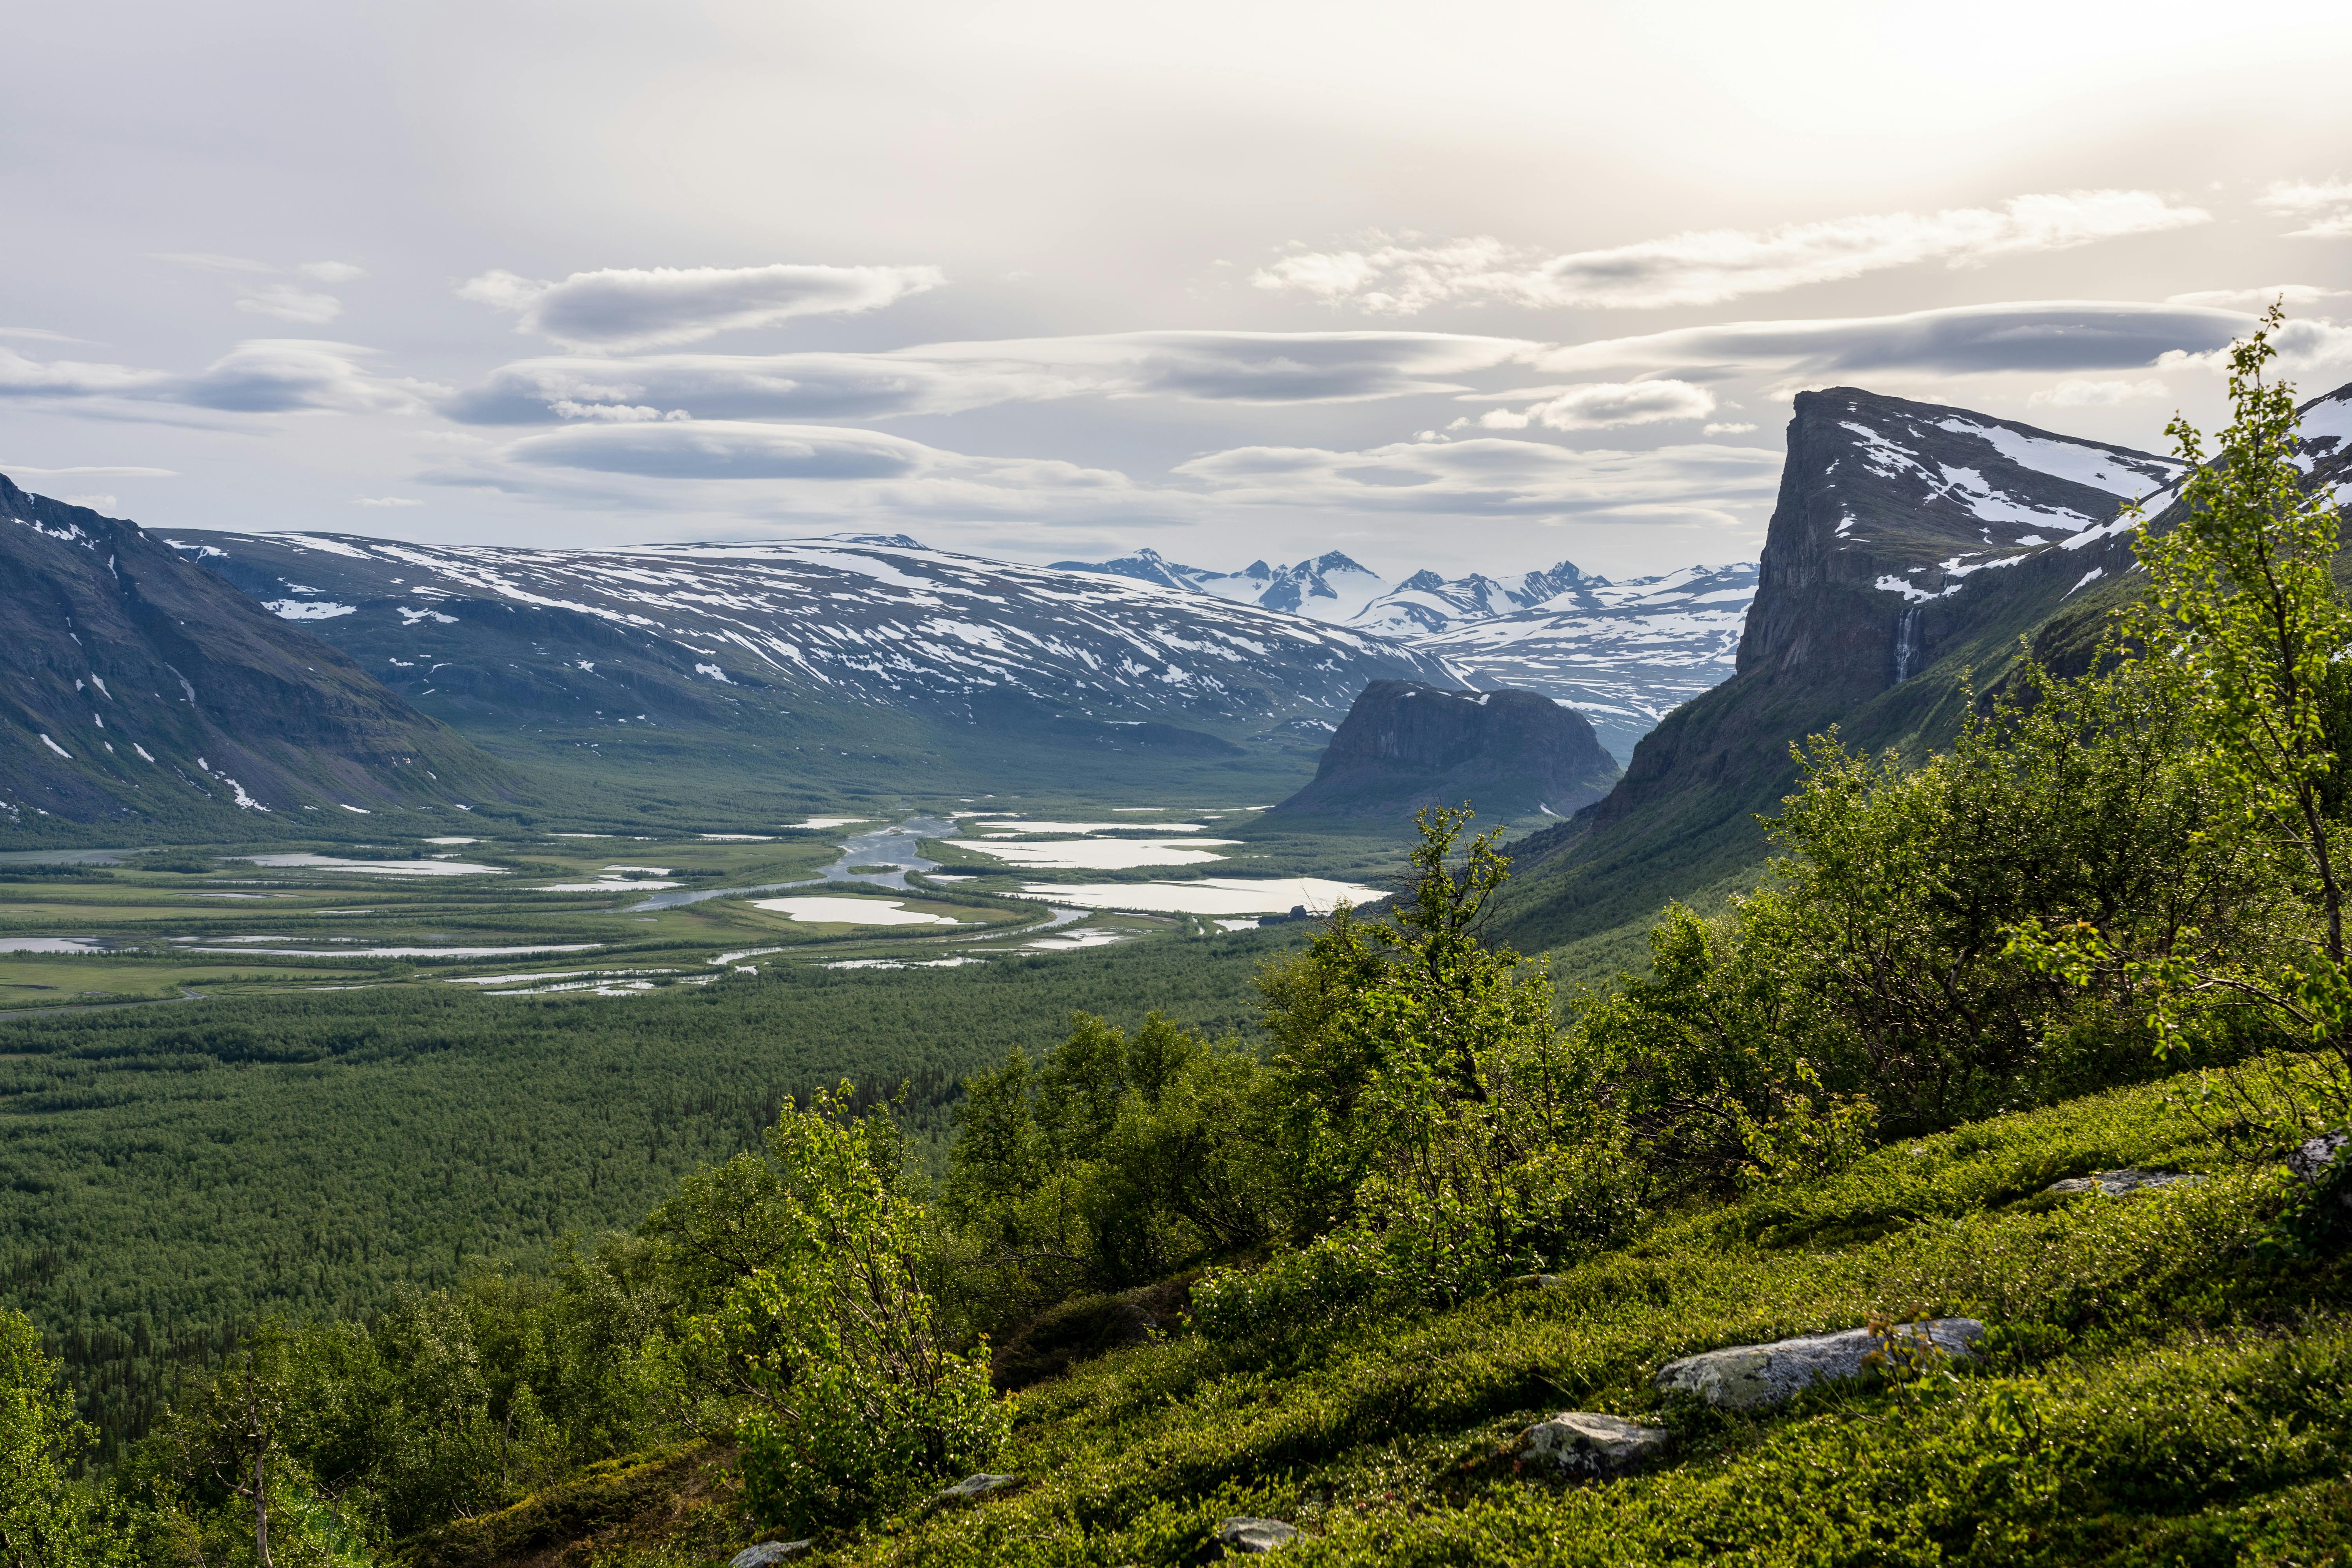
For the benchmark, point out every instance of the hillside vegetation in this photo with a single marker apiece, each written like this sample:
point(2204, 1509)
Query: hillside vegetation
point(2019, 1068)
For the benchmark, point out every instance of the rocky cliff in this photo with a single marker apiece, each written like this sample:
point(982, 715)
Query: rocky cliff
point(1405, 745)
point(1911, 547)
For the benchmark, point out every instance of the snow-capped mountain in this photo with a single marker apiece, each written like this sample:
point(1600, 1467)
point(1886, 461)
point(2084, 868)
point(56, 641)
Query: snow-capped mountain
point(1331, 587)
point(715, 634)
point(1425, 602)
point(1624, 654)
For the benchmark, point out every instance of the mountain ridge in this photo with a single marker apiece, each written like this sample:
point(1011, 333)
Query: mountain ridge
point(1621, 653)
point(147, 693)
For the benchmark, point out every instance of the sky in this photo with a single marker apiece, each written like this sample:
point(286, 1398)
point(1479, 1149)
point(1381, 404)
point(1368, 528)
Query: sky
point(1466, 287)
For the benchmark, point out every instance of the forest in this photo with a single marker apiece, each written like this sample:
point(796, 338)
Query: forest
point(1043, 1290)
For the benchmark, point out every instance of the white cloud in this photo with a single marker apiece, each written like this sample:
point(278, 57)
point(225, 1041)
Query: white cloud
point(946, 378)
point(729, 449)
point(1492, 477)
point(288, 304)
point(2290, 294)
point(2022, 336)
point(1605, 405)
point(1712, 265)
point(2078, 393)
point(262, 376)
point(2328, 203)
point(802, 476)
point(385, 500)
point(2306, 346)
point(1733, 427)
point(661, 307)
point(285, 301)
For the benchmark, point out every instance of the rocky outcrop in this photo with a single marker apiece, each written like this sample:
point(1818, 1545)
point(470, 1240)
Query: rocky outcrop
point(1749, 1377)
point(1404, 745)
point(768, 1551)
point(974, 1487)
point(1586, 1445)
point(2120, 1183)
point(1242, 1536)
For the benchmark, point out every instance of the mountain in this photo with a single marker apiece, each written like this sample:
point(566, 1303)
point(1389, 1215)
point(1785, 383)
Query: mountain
point(836, 654)
point(1425, 602)
point(1405, 745)
point(1624, 654)
point(1330, 587)
point(1912, 544)
point(146, 692)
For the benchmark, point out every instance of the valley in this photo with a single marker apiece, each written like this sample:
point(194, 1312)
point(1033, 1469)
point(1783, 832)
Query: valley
point(624, 915)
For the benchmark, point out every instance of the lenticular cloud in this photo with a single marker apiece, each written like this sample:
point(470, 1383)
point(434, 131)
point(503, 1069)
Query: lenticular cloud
point(1709, 267)
point(642, 308)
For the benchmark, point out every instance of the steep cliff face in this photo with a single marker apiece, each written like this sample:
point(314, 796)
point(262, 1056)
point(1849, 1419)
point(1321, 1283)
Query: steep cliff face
point(1889, 508)
point(1912, 543)
point(1405, 745)
point(1905, 533)
point(135, 687)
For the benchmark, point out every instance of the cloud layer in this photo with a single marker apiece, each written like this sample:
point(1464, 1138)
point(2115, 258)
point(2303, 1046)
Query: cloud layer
point(262, 376)
point(947, 378)
point(2325, 206)
point(2018, 335)
point(1490, 476)
point(1603, 405)
point(624, 308)
point(1711, 265)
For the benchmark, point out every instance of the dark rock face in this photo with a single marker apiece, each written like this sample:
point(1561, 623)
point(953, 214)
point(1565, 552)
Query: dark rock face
point(1405, 745)
point(139, 687)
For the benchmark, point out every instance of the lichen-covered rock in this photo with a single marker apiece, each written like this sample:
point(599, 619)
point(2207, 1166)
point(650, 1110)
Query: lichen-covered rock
point(1746, 1377)
point(2122, 1183)
point(972, 1486)
point(1254, 1534)
point(768, 1551)
point(1534, 1282)
point(1584, 1443)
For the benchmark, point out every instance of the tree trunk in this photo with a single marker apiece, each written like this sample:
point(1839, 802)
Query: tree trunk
point(260, 1505)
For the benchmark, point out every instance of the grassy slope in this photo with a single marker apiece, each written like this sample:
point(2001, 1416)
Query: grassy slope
point(2163, 1389)
point(165, 1175)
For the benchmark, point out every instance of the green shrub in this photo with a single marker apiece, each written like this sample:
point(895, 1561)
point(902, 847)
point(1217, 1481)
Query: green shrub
point(856, 1400)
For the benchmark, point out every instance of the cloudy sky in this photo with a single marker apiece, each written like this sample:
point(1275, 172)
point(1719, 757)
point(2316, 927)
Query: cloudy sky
point(1467, 286)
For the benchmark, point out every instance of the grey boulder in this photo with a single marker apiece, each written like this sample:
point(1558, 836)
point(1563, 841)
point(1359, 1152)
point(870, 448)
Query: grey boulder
point(768, 1551)
point(1583, 1444)
point(972, 1486)
point(1254, 1534)
point(2122, 1183)
point(1746, 1377)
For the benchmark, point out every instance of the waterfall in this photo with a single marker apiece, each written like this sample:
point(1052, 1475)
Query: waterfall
point(1906, 630)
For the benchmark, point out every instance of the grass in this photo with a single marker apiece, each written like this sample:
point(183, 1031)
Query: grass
point(2165, 1382)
